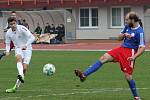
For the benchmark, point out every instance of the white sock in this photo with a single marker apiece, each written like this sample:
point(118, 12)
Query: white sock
point(18, 82)
point(20, 68)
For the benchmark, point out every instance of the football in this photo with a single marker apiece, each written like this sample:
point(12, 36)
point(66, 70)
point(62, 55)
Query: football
point(49, 69)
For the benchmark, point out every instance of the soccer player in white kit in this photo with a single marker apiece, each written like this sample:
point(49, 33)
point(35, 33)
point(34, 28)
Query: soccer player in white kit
point(22, 39)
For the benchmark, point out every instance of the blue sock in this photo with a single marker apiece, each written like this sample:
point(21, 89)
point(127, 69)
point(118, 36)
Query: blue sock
point(93, 68)
point(133, 88)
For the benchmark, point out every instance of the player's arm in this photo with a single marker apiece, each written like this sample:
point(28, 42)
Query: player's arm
point(139, 52)
point(122, 35)
point(7, 42)
point(141, 48)
point(28, 34)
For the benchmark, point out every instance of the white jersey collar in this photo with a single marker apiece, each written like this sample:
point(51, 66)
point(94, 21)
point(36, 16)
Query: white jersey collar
point(136, 27)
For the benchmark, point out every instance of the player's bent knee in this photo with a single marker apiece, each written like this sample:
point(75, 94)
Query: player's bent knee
point(18, 58)
point(103, 59)
point(106, 58)
point(25, 66)
point(128, 76)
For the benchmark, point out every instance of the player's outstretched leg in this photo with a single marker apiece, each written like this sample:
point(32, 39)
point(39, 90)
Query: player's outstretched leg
point(93, 68)
point(18, 82)
point(13, 90)
point(20, 79)
point(20, 68)
point(132, 86)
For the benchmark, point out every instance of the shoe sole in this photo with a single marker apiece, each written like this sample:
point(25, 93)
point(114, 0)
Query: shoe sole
point(10, 92)
point(78, 73)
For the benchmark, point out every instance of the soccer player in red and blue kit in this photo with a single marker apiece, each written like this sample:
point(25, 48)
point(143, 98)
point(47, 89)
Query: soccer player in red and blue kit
point(132, 47)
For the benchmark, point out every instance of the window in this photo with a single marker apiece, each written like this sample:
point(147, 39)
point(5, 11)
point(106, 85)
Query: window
point(117, 16)
point(88, 17)
point(84, 17)
point(126, 10)
point(94, 17)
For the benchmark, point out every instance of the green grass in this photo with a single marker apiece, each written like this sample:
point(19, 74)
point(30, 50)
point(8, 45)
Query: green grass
point(103, 85)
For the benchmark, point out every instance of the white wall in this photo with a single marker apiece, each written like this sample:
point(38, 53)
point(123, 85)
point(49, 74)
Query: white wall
point(147, 24)
point(139, 10)
point(103, 31)
point(1, 28)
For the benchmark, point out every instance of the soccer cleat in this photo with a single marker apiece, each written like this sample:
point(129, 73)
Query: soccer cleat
point(21, 78)
point(80, 75)
point(137, 98)
point(1, 55)
point(11, 90)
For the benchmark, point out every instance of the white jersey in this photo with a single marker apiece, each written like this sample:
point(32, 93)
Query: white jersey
point(21, 37)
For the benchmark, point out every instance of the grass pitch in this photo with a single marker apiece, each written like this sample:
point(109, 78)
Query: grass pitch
point(106, 84)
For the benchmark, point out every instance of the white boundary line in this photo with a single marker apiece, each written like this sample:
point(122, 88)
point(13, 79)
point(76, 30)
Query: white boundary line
point(99, 89)
point(71, 50)
point(76, 91)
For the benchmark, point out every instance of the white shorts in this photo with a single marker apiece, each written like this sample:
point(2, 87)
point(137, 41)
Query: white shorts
point(25, 54)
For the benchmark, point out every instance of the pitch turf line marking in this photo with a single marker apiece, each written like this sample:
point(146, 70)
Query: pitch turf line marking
point(10, 98)
point(106, 89)
point(71, 49)
point(75, 50)
point(76, 91)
